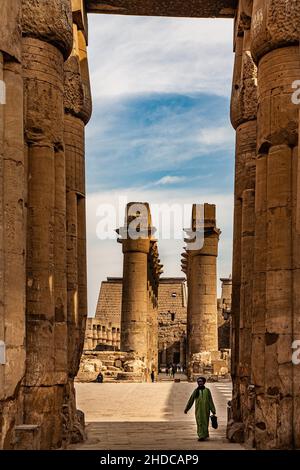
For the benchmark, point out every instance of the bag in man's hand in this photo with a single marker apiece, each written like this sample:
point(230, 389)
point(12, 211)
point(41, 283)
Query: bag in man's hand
point(214, 421)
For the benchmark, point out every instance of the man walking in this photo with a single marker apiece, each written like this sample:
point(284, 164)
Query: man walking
point(203, 406)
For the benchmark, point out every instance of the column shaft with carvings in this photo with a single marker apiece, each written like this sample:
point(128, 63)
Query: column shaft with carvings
point(77, 105)
point(47, 42)
point(137, 317)
point(12, 221)
point(243, 118)
point(275, 32)
point(202, 293)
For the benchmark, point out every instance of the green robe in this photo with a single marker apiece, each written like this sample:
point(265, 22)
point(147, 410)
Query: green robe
point(203, 405)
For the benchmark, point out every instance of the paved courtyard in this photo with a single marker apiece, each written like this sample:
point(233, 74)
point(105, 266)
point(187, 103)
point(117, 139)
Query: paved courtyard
point(148, 416)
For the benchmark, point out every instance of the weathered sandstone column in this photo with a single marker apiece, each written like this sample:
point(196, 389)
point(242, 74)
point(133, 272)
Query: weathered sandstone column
point(109, 336)
point(154, 271)
point(182, 359)
point(47, 43)
point(94, 337)
point(99, 335)
point(114, 337)
point(77, 107)
point(275, 48)
point(243, 118)
point(202, 298)
point(12, 222)
point(224, 315)
point(164, 356)
point(139, 258)
point(104, 335)
point(118, 338)
point(89, 334)
point(77, 104)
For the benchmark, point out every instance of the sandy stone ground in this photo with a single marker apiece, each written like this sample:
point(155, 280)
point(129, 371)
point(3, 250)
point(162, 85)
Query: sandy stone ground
point(148, 416)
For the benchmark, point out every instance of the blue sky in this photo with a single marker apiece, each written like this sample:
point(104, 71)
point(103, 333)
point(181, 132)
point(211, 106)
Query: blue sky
point(160, 130)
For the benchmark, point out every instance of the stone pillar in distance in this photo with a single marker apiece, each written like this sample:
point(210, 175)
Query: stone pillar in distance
point(139, 265)
point(201, 265)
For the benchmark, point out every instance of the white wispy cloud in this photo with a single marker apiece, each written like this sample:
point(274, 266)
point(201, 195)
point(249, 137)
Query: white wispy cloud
point(131, 55)
point(216, 136)
point(168, 179)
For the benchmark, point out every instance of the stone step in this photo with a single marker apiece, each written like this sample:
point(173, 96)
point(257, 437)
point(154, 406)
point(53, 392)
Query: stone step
point(109, 354)
point(130, 377)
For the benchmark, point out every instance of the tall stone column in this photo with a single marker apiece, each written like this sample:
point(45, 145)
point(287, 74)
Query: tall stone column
point(109, 336)
point(47, 43)
point(77, 104)
point(77, 112)
point(243, 118)
point(224, 315)
point(114, 337)
point(182, 359)
point(104, 335)
point(186, 269)
point(202, 297)
point(275, 35)
point(100, 334)
point(134, 298)
point(135, 302)
point(89, 334)
point(154, 271)
point(118, 339)
point(226, 294)
point(164, 356)
point(13, 196)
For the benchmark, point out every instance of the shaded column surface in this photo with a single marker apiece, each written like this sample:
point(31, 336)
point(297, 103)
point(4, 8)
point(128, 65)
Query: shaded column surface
point(47, 42)
point(154, 272)
point(202, 322)
point(77, 106)
point(244, 120)
point(275, 48)
point(224, 315)
point(140, 267)
point(49, 399)
point(12, 222)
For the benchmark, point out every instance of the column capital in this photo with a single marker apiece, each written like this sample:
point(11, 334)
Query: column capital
point(52, 23)
point(203, 228)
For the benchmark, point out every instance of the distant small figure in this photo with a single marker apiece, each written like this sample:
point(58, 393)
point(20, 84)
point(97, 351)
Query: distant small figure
point(152, 376)
point(99, 378)
point(173, 370)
